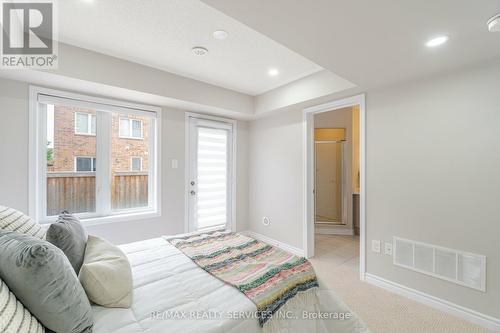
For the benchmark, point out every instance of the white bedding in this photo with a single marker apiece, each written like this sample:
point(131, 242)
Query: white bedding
point(167, 283)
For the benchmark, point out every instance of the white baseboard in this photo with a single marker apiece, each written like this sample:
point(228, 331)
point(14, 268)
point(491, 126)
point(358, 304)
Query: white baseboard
point(435, 302)
point(274, 242)
point(334, 231)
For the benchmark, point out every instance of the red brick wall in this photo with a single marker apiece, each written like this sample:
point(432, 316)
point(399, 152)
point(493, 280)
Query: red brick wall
point(123, 149)
point(68, 144)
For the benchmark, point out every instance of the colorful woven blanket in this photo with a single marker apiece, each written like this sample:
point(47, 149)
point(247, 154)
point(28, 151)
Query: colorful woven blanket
point(268, 276)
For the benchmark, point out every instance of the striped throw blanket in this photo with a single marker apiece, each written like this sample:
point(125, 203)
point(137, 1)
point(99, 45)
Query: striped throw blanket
point(268, 276)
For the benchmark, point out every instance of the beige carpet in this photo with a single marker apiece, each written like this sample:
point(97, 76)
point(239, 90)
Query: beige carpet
point(336, 263)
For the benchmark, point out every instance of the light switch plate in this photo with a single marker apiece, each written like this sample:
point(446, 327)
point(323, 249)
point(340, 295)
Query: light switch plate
point(175, 164)
point(388, 249)
point(376, 246)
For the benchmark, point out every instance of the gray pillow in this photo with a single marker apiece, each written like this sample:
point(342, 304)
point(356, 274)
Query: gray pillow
point(68, 234)
point(41, 277)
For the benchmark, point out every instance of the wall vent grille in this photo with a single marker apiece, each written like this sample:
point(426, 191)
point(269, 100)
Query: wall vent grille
point(464, 268)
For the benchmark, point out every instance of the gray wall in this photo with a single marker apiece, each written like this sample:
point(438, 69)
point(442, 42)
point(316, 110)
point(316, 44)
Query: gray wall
point(433, 155)
point(14, 169)
point(275, 177)
point(433, 161)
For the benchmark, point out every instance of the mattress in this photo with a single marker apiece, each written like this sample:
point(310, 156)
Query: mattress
point(172, 294)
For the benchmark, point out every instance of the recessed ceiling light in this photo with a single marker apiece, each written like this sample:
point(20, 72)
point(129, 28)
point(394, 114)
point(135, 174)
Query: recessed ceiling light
point(220, 34)
point(437, 41)
point(273, 72)
point(494, 23)
point(199, 51)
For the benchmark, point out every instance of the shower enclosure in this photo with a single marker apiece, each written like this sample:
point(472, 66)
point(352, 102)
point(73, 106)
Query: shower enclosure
point(330, 182)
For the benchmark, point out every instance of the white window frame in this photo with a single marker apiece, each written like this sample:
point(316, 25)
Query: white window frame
point(132, 164)
point(37, 205)
point(130, 136)
point(89, 123)
point(92, 158)
point(231, 224)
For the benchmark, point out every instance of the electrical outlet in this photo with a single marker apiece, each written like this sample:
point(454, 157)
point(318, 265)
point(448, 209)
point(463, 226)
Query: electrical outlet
point(376, 246)
point(388, 249)
point(266, 221)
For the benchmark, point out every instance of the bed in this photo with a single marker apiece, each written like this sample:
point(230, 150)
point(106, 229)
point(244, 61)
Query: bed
point(173, 294)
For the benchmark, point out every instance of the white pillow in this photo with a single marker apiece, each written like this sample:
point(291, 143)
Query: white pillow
point(106, 275)
point(14, 220)
point(14, 317)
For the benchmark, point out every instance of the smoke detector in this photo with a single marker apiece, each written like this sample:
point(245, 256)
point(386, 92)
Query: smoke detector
point(199, 51)
point(494, 23)
point(220, 34)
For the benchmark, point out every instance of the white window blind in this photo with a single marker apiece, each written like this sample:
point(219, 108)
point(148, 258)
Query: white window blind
point(212, 172)
point(211, 162)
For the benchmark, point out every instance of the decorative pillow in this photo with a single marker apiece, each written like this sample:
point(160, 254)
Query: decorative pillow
point(106, 275)
point(14, 220)
point(14, 317)
point(68, 234)
point(41, 277)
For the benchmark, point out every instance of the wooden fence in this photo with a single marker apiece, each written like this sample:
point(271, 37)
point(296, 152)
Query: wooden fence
point(129, 190)
point(75, 191)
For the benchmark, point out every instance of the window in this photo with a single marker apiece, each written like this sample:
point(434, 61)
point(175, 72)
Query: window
point(85, 123)
point(84, 164)
point(130, 128)
point(136, 164)
point(65, 172)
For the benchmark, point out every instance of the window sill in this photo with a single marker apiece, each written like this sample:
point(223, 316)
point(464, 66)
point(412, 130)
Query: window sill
point(116, 218)
point(85, 134)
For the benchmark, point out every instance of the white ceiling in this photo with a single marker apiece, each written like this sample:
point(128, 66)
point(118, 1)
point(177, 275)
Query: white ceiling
point(373, 43)
point(161, 33)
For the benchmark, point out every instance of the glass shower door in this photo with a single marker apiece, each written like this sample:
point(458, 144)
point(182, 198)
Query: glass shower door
point(330, 182)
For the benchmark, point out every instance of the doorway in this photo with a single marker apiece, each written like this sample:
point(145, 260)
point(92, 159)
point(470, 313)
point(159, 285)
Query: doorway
point(351, 194)
point(210, 172)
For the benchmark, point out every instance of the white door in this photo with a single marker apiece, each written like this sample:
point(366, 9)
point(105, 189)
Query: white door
point(210, 174)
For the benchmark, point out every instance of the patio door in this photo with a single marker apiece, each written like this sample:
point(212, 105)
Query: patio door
point(210, 161)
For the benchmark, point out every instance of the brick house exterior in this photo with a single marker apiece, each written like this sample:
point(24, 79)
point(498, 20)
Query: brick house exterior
point(68, 144)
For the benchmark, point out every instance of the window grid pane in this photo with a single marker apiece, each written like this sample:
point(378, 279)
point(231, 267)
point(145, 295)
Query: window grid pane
point(136, 164)
point(71, 184)
point(84, 164)
point(82, 123)
point(130, 162)
point(93, 124)
point(136, 128)
point(124, 127)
